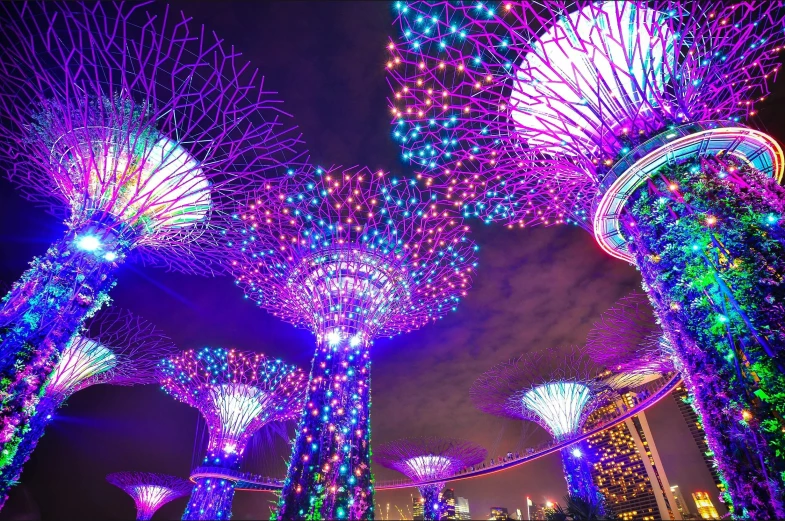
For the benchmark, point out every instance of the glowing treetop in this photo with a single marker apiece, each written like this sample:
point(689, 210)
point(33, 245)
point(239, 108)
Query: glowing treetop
point(236, 392)
point(627, 339)
point(557, 390)
point(150, 491)
point(352, 254)
point(526, 105)
point(429, 458)
point(138, 128)
point(116, 347)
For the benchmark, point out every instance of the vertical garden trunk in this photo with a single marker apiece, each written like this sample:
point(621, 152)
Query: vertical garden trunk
point(37, 319)
point(577, 473)
point(707, 237)
point(329, 475)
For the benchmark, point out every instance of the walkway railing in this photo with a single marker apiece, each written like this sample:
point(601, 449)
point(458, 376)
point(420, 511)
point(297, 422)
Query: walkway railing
point(656, 390)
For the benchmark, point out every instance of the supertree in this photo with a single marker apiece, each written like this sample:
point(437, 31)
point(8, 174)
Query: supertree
point(558, 390)
point(237, 393)
point(115, 347)
point(428, 459)
point(351, 254)
point(139, 131)
point(150, 491)
point(628, 340)
point(624, 118)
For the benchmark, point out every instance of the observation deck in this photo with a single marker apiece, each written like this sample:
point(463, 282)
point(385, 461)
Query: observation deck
point(655, 391)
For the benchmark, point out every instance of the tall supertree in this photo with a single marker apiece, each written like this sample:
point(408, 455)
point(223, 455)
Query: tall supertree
point(624, 118)
point(558, 390)
point(115, 347)
point(150, 491)
point(351, 254)
point(428, 459)
point(139, 131)
point(237, 393)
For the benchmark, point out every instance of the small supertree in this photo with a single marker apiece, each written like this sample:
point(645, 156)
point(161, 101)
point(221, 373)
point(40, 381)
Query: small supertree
point(139, 131)
point(150, 491)
point(429, 459)
point(237, 393)
point(115, 347)
point(351, 254)
point(624, 118)
point(558, 390)
point(628, 340)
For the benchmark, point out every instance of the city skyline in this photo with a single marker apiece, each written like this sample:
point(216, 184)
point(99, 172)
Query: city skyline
point(535, 289)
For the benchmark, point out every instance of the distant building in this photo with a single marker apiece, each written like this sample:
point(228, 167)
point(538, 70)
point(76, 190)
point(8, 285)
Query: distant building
point(682, 398)
point(681, 505)
point(705, 507)
point(499, 514)
point(540, 512)
point(627, 466)
point(518, 512)
point(417, 509)
point(448, 499)
point(462, 508)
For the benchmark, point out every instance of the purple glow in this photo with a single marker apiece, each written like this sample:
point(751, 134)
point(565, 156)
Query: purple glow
point(150, 491)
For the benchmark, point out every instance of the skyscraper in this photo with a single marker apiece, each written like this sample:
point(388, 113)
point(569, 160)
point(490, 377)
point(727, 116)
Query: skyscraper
point(705, 507)
point(627, 466)
point(417, 508)
point(499, 514)
point(696, 429)
point(448, 500)
point(681, 505)
point(462, 508)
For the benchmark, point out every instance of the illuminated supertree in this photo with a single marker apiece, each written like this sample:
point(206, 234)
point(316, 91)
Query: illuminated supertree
point(428, 459)
point(139, 131)
point(116, 347)
point(624, 118)
point(352, 255)
point(558, 391)
point(237, 394)
point(150, 491)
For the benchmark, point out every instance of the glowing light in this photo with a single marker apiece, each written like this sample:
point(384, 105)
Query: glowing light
point(334, 337)
point(560, 405)
point(428, 467)
point(577, 453)
point(88, 243)
point(82, 359)
point(561, 72)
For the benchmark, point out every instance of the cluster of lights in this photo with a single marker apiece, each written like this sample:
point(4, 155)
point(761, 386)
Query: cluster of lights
point(511, 113)
point(350, 254)
point(332, 249)
point(237, 393)
point(149, 491)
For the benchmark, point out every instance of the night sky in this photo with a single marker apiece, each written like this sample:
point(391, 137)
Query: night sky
point(535, 288)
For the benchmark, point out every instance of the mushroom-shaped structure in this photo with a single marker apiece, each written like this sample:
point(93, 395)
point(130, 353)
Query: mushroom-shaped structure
point(140, 131)
point(150, 491)
point(116, 347)
point(350, 254)
point(623, 118)
point(556, 389)
point(628, 341)
point(430, 460)
point(237, 393)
